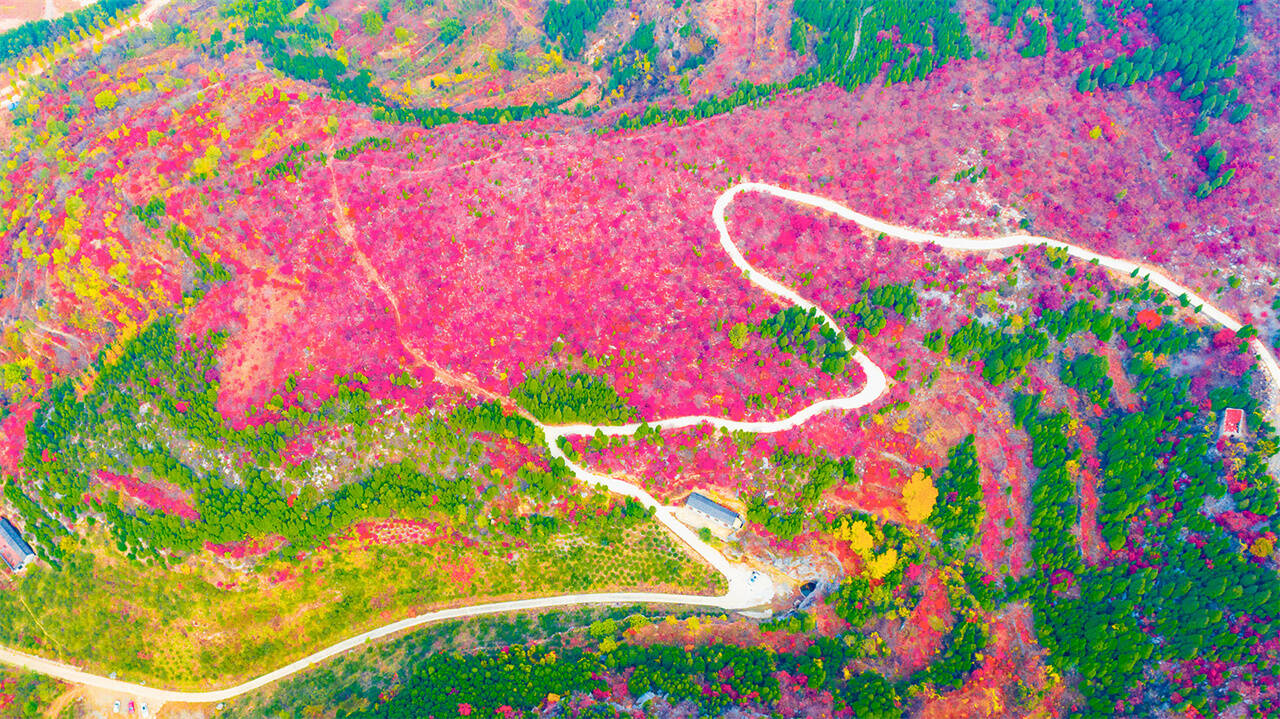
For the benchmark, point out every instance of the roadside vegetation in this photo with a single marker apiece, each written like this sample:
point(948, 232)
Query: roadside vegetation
point(216, 624)
point(27, 695)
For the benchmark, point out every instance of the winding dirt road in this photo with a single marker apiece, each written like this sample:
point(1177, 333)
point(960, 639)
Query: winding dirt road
point(746, 588)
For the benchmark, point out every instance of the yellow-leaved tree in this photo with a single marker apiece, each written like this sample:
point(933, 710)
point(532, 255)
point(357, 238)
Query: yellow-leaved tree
point(879, 567)
point(918, 497)
point(857, 534)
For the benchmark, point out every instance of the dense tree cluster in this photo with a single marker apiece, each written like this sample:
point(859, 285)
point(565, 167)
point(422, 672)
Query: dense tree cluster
point(176, 379)
point(1081, 316)
point(1148, 344)
point(1067, 17)
point(821, 472)
point(451, 28)
point(799, 37)
point(1037, 38)
point(1214, 156)
point(635, 59)
point(288, 42)
point(802, 332)
point(867, 314)
point(150, 213)
point(784, 525)
point(1053, 502)
point(292, 164)
point(1088, 373)
point(1003, 354)
point(1192, 593)
point(987, 593)
point(1198, 40)
point(822, 663)
point(569, 22)
point(489, 417)
point(900, 298)
point(40, 33)
point(699, 675)
point(955, 660)
point(259, 508)
point(1133, 456)
point(868, 318)
point(523, 681)
point(519, 677)
point(380, 143)
point(958, 512)
point(555, 396)
point(545, 486)
point(871, 696)
point(745, 93)
point(903, 39)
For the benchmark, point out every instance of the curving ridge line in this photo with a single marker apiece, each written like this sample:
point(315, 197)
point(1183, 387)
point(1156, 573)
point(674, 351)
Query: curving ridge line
point(746, 588)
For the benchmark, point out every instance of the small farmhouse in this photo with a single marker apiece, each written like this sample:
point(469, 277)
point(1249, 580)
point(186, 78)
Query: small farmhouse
point(15, 552)
point(1233, 422)
point(713, 510)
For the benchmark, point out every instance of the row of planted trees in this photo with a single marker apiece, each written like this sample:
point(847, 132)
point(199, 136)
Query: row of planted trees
point(1181, 588)
point(36, 34)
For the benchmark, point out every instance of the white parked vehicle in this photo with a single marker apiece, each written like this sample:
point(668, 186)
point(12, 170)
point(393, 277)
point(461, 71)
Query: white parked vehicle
point(115, 708)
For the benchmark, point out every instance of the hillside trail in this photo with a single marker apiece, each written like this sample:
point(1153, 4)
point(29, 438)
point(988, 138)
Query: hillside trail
point(342, 225)
point(747, 589)
point(1142, 271)
point(739, 576)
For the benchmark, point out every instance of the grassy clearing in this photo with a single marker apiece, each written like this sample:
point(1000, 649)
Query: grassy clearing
point(208, 621)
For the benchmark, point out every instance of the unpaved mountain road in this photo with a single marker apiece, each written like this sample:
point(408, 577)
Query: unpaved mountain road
point(747, 588)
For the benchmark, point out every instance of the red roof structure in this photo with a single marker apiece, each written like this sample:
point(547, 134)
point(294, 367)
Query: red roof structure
point(1233, 422)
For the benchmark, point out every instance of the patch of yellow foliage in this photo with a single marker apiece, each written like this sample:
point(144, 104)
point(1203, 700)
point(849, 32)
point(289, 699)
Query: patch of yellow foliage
point(856, 534)
point(266, 144)
point(445, 79)
point(918, 497)
point(880, 567)
point(1263, 547)
point(206, 164)
point(996, 705)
